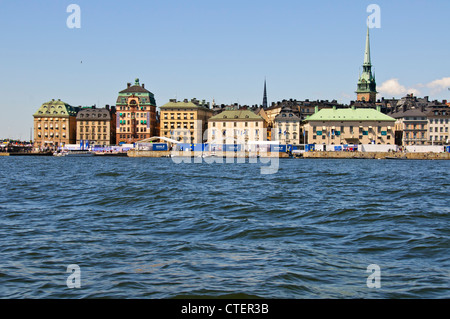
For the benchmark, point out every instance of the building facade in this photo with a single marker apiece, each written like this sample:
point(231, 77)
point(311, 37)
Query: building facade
point(287, 127)
point(136, 114)
point(349, 126)
point(54, 125)
point(411, 127)
point(439, 126)
point(96, 126)
point(185, 120)
point(232, 126)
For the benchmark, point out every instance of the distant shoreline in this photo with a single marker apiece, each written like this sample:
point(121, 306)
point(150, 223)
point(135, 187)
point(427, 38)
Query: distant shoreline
point(306, 155)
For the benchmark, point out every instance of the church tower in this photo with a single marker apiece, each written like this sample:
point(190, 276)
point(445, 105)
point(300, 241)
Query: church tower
point(264, 105)
point(367, 87)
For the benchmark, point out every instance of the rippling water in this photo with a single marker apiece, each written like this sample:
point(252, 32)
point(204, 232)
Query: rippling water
point(150, 228)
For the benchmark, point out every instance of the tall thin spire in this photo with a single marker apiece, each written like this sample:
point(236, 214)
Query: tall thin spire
point(367, 87)
point(367, 61)
point(265, 96)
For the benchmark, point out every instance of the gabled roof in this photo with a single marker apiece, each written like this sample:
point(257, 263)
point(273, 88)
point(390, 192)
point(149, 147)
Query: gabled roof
point(184, 104)
point(136, 88)
point(56, 109)
point(94, 115)
point(408, 113)
point(349, 114)
point(287, 114)
point(233, 115)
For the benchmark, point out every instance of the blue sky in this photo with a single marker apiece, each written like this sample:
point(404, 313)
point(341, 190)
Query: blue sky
point(215, 49)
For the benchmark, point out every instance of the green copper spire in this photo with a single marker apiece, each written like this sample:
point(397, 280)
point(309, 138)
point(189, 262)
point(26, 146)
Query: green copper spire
point(367, 87)
point(367, 52)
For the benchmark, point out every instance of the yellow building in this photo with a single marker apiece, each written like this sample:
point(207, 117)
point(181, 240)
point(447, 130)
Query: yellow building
point(231, 126)
point(186, 121)
point(350, 126)
point(96, 126)
point(54, 125)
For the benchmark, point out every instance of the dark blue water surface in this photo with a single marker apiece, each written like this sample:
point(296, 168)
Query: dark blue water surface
point(151, 228)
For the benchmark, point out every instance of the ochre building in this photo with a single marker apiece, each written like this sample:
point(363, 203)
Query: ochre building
point(54, 125)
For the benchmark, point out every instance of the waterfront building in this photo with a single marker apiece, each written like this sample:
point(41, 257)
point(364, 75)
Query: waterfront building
point(367, 87)
point(438, 119)
point(287, 127)
point(96, 126)
point(340, 126)
point(231, 126)
point(186, 120)
point(411, 126)
point(136, 114)
point(54, 125)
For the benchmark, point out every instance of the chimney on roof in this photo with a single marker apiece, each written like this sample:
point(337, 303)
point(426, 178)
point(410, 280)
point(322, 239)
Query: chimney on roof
point(143, 85)
point(128, 84)
point(107, 107)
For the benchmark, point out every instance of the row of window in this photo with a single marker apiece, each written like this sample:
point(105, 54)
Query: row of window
point(86, 129)
point(438, 138)
point(351, 129)
point(177, 133)
point(51, 134)
point(439, 129)
point(172, 126)
point(51, 127)
point(438, 121)
point(359, 137)
point(415, 135)
point(138, 129)
point(93, 137)
point(139, 136)
point(234, 132)
point(139, 114)
point(92, 123)
point(128, 122)
point(178, 116)
point(224, 124)
point(124, 100)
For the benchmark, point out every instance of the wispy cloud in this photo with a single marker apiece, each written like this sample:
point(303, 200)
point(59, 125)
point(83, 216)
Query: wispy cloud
point(437, 86)
point(394, 88)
